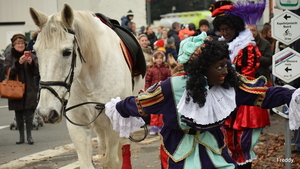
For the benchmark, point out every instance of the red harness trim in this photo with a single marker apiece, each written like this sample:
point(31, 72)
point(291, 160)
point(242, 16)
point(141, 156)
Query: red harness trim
point(126, 55)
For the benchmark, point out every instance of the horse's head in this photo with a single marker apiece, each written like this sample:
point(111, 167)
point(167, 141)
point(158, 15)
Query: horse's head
point(58, 52)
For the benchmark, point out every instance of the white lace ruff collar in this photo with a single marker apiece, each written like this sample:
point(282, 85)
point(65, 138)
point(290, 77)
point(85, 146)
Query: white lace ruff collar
point(240, 42)
point(219, 104)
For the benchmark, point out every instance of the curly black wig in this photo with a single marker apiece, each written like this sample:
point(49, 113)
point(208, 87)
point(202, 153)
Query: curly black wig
point(196, 68)
point(231, 20)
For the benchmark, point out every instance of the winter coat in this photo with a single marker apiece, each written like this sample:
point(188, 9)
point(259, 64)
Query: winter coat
point(124, 22)
point(26, 73)
point(174, 34)
point(172, 51)
point(152, 38)
point(266, 57)
point(155, 74)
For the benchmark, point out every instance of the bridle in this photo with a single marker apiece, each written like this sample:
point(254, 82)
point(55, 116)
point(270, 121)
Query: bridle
point(99, 106)
point(67, 84)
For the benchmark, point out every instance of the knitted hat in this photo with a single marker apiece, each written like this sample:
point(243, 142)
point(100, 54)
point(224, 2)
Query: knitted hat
point(170, 40)
point(18, 36)
point(203, 22)
point(159, 43)
point(130, 13)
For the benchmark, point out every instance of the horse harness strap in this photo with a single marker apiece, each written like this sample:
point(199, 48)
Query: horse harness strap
point(99, 106)
point(47, 85)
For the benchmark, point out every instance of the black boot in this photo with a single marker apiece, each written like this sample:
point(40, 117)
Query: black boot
point(29, 137)
point(20, 124)
point(29, 120)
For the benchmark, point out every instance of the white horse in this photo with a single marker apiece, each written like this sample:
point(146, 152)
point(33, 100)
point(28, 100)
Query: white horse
point(80, 60)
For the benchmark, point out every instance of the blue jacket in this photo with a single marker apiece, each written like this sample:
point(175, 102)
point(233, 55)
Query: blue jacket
point(125, 21)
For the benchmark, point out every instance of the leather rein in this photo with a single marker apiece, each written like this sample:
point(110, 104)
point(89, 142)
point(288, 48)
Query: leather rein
point(47, 85)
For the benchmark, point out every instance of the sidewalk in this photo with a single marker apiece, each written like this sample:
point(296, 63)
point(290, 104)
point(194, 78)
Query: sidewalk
point(270, 149)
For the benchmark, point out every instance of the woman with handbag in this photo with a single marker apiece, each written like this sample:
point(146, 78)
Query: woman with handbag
point(25, 68)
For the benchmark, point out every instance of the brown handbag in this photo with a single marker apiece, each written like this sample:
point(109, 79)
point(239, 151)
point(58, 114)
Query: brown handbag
point(11, 89)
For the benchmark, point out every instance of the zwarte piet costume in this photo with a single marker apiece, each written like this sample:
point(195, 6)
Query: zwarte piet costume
point(191, 135)
point(244, 127)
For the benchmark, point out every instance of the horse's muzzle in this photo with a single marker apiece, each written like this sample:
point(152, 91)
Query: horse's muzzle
point(53, 117)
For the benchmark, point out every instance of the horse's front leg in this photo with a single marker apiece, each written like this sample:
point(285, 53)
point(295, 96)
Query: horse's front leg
point(81, 137)
point(109, 137)
point(99, 130)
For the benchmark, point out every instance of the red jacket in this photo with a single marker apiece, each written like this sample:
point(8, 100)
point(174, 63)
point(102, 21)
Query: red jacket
point(155, 74)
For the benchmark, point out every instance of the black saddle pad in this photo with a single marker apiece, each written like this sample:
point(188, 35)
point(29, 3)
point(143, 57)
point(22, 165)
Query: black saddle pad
point(133, 46)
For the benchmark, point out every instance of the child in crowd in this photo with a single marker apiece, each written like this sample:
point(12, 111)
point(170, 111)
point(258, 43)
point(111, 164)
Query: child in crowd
point(171, 48)
point(126, 19)
point(185, 33)
point(132, 26)
point(160, 45)
point(158, 71)
point(184, 36)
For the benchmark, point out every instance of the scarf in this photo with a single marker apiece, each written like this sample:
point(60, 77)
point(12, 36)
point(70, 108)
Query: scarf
point(147, 50)
point(16, 54)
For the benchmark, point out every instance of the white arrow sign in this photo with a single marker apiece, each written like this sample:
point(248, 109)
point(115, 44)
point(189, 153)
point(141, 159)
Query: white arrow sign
point(285, 27)
point(286, 65)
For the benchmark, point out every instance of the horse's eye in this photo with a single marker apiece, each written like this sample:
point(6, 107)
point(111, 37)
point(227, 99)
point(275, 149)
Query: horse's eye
point(67, 52)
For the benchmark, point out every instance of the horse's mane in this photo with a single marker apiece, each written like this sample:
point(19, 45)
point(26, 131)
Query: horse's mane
point(85, 27)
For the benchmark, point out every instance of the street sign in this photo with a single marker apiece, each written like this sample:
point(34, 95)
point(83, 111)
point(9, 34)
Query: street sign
point(288, 4)
point(286, 65)
point(285, 27)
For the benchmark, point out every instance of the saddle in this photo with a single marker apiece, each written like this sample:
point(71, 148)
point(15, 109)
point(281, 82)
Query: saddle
point(133, 52)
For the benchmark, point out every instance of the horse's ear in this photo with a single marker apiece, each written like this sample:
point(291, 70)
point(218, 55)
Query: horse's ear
point(67, 16)
point(38, 18)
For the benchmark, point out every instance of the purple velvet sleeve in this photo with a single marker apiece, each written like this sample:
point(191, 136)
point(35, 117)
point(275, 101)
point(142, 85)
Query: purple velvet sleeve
point(275, 96)
point(127, 107)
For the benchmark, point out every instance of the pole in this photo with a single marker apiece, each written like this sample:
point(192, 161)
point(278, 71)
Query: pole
point(148, 12)
point(288, 164)
point(271, 10)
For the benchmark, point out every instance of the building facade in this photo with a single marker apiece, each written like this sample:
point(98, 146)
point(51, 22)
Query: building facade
point(15, 17)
